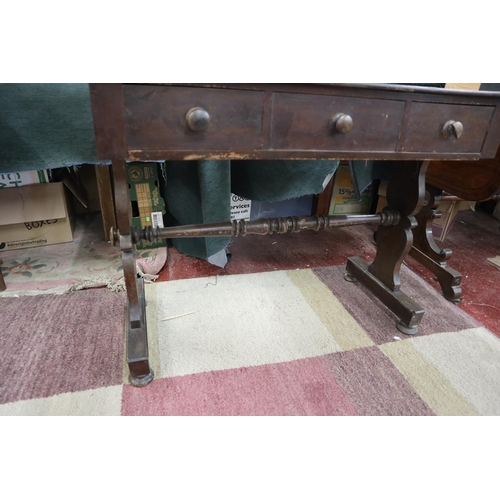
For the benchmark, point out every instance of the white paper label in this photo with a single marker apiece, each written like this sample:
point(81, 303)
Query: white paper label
point(157, 219)
point(240, 208)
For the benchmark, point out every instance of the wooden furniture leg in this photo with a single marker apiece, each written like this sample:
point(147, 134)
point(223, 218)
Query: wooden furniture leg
point(141, 373)
point(425, 250)
point(106, 199)
point(405, 194)
point(2, 281)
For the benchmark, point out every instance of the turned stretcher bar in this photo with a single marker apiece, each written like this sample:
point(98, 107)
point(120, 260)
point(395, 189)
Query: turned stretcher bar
point(279, 225)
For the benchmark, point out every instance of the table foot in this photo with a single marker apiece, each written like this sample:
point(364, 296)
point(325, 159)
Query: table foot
point(405, 329)
point(141, 381)
point(408, 311)
point(350, 278)
point(426, 251)
point(449, 279)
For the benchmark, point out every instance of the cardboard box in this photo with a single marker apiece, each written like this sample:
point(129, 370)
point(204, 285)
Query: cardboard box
point(463, 86)
point(35, 215)
point(344, 199)
point(17, 179)
point(382, 197)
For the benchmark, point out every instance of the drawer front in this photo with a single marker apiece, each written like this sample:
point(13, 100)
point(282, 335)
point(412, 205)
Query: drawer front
point(424, 132)
point(156, 118)
point(305, 122)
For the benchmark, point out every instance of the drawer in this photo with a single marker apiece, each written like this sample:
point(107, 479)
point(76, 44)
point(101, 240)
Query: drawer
point(304, 122)
point(156, 118)
point(424, 131)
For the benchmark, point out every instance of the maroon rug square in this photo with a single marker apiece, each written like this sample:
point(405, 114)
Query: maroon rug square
point(54, 344)
point(302, 387)
point(374, 385)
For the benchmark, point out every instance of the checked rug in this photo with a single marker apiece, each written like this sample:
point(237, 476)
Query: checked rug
point(301, 342)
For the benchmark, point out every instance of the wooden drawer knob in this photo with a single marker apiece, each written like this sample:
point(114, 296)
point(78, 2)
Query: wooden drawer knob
point(342, 123)
point(198, 119)
point(452, 129)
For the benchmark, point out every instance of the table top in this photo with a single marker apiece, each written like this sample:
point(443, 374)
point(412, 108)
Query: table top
point(294, 121)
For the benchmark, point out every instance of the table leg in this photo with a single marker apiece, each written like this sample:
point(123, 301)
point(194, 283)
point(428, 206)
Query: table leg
point(2, 281)
point(426, 251)
point(141, 373)
point(405, 194)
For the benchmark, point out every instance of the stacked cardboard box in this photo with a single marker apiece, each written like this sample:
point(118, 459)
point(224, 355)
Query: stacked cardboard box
point(345, 200)
point(17, 179)
point(34, 215)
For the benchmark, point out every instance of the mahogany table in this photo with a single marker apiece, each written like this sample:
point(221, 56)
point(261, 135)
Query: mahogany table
point(404, 126)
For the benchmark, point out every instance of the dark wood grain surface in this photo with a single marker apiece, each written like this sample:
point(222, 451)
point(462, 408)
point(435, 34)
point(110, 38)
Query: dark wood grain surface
point(292, 121)
point(156, 118)
point(470, 180)
point(303, 122)
point(109, 121)
point(425, 124)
